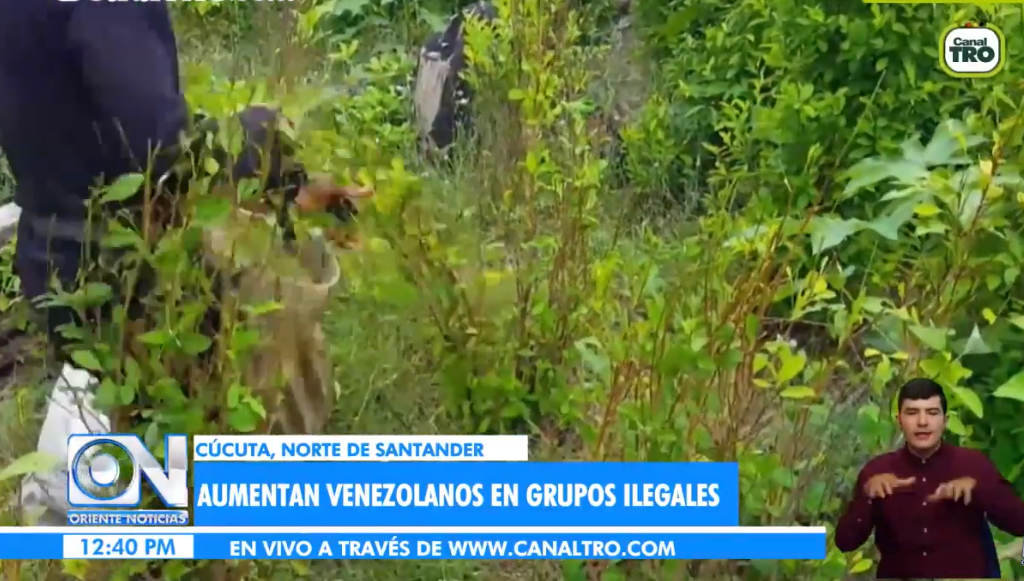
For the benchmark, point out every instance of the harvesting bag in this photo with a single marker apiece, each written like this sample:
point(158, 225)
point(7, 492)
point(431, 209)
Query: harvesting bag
point(441, 96)
point(258, 268)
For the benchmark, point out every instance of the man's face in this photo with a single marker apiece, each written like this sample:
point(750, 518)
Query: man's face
point(922, 422)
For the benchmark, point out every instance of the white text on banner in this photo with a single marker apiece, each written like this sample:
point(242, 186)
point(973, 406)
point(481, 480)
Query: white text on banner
point(470, 494)
point(395, 543)
point(360, 448)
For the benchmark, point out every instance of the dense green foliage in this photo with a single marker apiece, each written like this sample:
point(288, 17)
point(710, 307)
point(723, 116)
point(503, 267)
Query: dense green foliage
point(808, 213)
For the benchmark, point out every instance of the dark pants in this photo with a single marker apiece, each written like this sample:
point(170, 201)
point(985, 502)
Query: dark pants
point(41, 260)
point(43, 257)
point(46, 256)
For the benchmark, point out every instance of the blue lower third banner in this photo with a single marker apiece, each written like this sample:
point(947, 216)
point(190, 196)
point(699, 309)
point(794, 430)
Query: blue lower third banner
point(465, 494)
point(178, 543)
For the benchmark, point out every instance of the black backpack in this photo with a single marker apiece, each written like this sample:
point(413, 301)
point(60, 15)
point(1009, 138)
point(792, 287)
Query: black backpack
point(441, 96)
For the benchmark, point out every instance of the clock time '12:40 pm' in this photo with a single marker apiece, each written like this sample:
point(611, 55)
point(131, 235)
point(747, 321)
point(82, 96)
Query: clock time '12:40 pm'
point(113, 546)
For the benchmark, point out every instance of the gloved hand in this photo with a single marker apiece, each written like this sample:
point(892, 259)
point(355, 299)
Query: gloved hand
point(322, 196)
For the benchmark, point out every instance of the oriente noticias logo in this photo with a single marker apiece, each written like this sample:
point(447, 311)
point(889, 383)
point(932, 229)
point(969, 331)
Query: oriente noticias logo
point(972, 50)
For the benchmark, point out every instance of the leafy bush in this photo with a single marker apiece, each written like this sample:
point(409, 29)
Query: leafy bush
point(795, 92)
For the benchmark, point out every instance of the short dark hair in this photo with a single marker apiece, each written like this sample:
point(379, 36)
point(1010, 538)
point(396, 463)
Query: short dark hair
point(921, 388)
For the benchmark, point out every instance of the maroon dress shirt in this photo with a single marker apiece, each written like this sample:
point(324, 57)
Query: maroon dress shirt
point(941, 539)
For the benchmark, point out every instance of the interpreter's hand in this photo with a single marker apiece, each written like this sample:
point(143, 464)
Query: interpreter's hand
point(883, 485)
point(955, 490)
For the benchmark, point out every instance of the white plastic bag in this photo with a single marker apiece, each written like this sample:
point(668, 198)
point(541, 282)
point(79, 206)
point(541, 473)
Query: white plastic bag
point(69, 411)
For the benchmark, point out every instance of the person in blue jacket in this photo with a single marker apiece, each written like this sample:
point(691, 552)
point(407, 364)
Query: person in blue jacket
point(89, 91)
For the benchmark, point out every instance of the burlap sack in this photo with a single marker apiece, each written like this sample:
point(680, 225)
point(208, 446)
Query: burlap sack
point(293, 351)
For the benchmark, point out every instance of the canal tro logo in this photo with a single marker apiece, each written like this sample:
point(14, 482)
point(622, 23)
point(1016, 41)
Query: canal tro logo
point(972, 50)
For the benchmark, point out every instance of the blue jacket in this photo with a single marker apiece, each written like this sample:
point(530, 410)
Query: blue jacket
point(86, 88)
